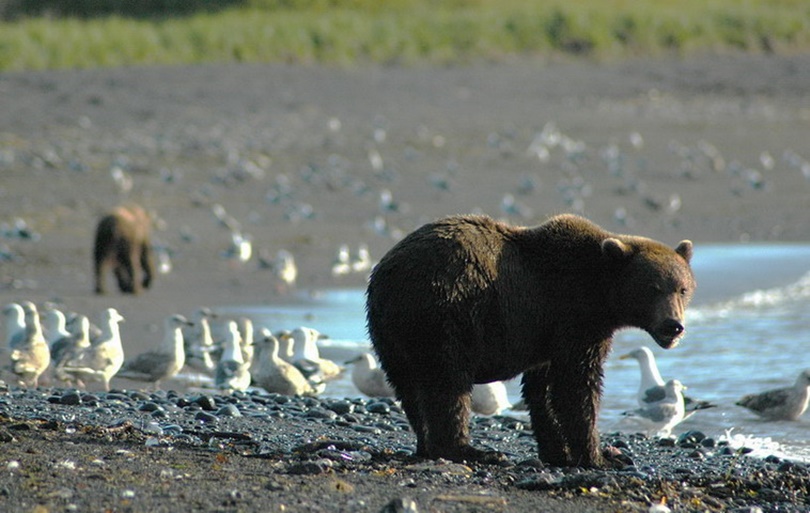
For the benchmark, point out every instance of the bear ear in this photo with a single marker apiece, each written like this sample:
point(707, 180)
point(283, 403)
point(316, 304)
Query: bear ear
point(614, 248)
point(684, 248)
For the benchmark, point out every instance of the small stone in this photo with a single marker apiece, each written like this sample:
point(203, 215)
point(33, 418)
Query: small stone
point(229, 410)
point(149, 406)
point(206, 402)
point(378, 407)
point(71, 398)
point(204, 416)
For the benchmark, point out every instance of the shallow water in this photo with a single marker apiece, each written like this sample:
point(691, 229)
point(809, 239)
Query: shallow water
point(748, 331)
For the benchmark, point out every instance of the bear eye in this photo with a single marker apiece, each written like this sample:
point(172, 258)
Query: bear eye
point(684, 291)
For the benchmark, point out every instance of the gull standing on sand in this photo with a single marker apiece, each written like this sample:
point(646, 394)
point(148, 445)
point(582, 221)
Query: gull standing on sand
point(54, 326)
point(305, 350)
point(368, 376)
point(782, 403)
point(15, 324)
point(232, 373)
point(105, 356)
point(660, 417)
point(489, 398)
point(274, 374)
point(66, 349)
point(199, 344)
point(651, 389)
point(245, 326)
point(163, 362)
point(341, 265)
point(31, 356)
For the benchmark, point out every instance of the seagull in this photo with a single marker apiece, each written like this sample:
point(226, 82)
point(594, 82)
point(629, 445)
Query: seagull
point(363, 261)
point(660, 417)
point(782, 403)
point(31, 356)
point(305, 350)
point(489, 398)
point(163, 362)
point(105, 356)
point(342, 265)
point(369, 378)
point(15, 324)
point(66, 349)
point(232, 373)
point(274, 374)
point(241, 248)
point(54, 326)
point(651, 389)
point(199, 344)
point(245, 326)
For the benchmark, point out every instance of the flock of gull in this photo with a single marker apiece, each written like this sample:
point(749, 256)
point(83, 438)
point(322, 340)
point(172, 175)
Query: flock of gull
point(229, 354)
point(223, 353)
point(663, 405)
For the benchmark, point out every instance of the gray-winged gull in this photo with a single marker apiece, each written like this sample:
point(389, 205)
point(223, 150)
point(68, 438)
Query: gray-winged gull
point(232, 373)
point(31, 356)
point(163, 362)
point(15, 324)
point(651, 388)
point(660, 417)
point(274, 374)
point(199, 344)
point(489, 398)
point(66, 349)
point(782, 403)
point(105, 356)
point(305, 350)
point(368, 376)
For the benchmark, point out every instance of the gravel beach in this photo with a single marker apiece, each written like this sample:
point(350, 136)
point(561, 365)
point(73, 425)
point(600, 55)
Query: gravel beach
point(712, 149)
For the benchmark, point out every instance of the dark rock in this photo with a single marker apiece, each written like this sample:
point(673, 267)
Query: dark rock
point(378, 407)
point(229, 410)
point(71, 398)
point(206, 417)
point(206, 402)
point(400, 505)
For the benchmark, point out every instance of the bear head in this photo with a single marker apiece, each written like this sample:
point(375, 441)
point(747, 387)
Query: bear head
point(652, 286)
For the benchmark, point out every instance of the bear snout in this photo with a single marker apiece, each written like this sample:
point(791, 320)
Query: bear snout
point(668, 333)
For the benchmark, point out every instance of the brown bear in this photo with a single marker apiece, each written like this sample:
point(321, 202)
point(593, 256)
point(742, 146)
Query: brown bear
point(467, 300)
point(122, 241)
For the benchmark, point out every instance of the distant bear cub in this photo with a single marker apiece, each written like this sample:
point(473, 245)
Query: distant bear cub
point(122, 242)
point(467, 300)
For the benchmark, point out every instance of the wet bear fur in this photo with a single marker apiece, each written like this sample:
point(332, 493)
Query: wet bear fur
point(467, 300)
point(122, 243)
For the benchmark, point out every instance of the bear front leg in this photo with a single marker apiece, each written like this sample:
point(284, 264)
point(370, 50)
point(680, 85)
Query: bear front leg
point(551, 445)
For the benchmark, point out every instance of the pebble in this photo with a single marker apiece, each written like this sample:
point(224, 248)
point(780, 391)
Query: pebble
point(229, 410)
point(349, 433)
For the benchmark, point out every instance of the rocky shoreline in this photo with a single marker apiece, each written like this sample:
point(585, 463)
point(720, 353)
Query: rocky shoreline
point(126, 450)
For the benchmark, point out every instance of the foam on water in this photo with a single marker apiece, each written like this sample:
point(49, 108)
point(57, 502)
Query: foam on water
point(747, 332)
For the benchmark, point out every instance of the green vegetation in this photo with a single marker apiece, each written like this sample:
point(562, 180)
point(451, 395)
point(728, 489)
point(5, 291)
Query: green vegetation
point(40, 34)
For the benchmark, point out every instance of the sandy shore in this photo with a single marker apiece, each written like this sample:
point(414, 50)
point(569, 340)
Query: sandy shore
point(710, 149)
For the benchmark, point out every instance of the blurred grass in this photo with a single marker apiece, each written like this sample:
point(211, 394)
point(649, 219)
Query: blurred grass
point(43, 34)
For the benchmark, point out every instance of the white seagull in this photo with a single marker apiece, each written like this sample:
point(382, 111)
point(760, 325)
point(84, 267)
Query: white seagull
point(274, 374)
point(232, 373)
point(305, 351)
point(782, 403)
point(489, 398)
point(66, 349)
point(163, 362)
point(651, 388)
point(31, 356)
point(15, 324)
point(368, 376)
point(105, 356)
point(660, 417)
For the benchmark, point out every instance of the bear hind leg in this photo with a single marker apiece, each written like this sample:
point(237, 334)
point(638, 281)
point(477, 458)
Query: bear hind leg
point(551, 444)
point(447, 419)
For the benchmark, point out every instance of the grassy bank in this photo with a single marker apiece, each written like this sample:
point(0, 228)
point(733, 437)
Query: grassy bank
point(42, 35)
